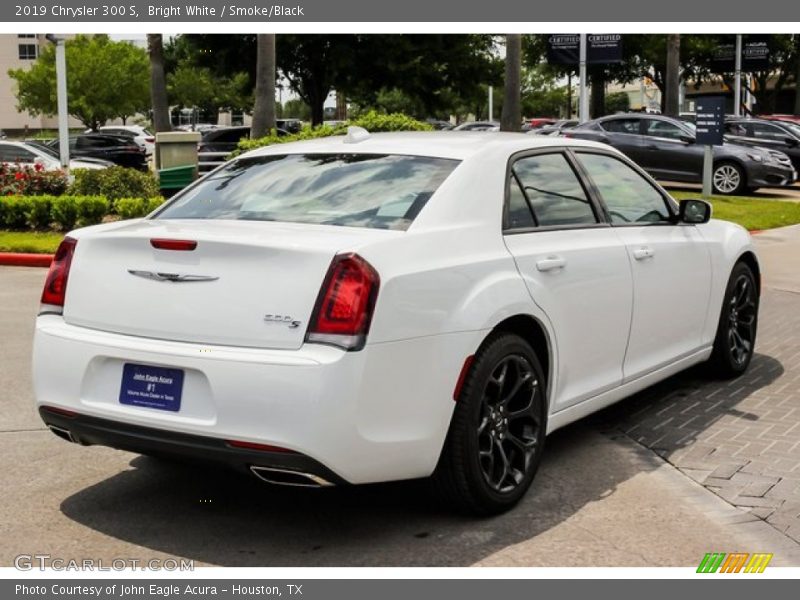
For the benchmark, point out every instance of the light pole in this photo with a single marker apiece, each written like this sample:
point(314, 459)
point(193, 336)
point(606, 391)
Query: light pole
point(61, 95)
point(737, 90)
point(583, 99)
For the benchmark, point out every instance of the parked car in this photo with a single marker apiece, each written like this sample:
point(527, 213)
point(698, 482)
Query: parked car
point(439, 125)
point(289, 125)
point(216, 144)
point(478, 126)
point(137, 133)
point(790, 118)
point(666, 148)
point(32, 153)
point(556, 128)
point(783, 136)
point(119, 150)
point(391, 306)
point(537, 123)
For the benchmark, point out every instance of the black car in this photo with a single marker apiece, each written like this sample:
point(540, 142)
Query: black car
point(557, 128)
point(667, 149)
point(776, 135)
point(217, 144)
point(119, 150)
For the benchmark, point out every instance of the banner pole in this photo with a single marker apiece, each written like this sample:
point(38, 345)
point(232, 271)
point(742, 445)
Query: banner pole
point(737, 92)
point(583, 102)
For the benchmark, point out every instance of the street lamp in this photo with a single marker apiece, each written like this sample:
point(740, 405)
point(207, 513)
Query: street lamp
point(61, 94)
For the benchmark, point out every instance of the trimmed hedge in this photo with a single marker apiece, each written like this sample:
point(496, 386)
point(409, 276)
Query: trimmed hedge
point(114, 183)
point(372, 121)
point(132, 208)
point(47, 212)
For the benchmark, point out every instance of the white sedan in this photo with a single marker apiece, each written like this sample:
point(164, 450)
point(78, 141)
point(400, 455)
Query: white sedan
point(31, 153)
point(381, 307)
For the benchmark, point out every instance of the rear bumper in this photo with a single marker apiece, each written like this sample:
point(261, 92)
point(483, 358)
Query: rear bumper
point(379, 414)
point(89, 431)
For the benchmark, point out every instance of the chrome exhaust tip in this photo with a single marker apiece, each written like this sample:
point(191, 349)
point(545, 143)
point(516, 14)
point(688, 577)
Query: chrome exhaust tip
point(287, 477)
point(64, 434)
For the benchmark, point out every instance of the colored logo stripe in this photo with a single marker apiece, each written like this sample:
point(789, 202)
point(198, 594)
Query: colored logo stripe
point(734, 562)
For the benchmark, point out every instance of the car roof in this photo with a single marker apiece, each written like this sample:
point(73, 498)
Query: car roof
point(442, 144)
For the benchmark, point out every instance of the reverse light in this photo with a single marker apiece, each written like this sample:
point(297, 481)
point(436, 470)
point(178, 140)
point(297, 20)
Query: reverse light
point(345, 304)
point(55, 285)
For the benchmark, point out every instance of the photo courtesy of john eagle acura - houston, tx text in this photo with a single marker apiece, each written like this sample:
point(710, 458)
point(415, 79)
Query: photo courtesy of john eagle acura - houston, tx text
point(389, 306)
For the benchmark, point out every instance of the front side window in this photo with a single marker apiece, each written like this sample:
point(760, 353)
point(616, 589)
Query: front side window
point(379, 191)
point(767, 132)
point(663, 129)
point(553, 191)
point(630, 198)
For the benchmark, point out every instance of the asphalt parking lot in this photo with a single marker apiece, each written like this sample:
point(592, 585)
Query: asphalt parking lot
point(689, 466)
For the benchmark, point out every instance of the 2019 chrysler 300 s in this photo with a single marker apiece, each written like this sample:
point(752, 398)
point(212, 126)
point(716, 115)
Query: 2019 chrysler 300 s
point(367, 308)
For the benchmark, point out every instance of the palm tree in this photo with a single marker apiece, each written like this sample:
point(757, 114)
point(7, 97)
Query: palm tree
point(158, 83)
point(511, 118)
point(672, 75)
point(264, 108)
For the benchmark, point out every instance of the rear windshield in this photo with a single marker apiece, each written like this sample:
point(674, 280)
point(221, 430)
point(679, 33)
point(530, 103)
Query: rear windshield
point(378, 191)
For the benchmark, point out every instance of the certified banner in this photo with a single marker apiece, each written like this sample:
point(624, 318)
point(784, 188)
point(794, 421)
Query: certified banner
point(755, 54)
point(602, 48)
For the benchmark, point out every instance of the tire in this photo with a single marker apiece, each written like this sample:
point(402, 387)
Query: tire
point(491, 422)
point(728, 179)
point(738, 324)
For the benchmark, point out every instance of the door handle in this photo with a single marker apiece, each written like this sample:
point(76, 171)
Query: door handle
point(551, 263)
point(643, 252)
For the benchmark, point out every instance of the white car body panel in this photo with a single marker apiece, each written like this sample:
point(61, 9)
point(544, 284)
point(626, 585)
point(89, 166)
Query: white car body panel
point(613, 324)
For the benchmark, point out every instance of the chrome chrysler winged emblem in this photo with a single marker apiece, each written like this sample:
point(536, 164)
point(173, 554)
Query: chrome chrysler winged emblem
point(173, 277)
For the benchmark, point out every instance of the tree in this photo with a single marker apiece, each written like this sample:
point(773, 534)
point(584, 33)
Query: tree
point(617, 102)
point(511, 117)
point(264, 107)
point(672, 79)
point(158, 83)
point(105, 80)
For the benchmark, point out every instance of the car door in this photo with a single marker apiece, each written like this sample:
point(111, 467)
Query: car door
point(626, 136)
point(576, 270)
point(670, 262)
point(668, 153)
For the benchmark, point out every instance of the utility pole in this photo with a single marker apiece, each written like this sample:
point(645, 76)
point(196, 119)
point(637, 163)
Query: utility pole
point(491, 103)
point(737, 90)
point(61, 96)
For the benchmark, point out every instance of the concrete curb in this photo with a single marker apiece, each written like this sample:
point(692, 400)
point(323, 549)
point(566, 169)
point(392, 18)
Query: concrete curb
point(21, 259)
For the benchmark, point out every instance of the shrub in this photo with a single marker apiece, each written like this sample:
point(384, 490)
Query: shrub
point(91, 210)
point(133, 208)
point(39, 212)
point(25, 180)
point(65, 212)
point(15, 211)
point(372, 121)
point(114, 183)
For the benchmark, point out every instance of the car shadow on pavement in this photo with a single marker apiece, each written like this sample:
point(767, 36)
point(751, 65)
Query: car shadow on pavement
point(228, 519)
point(224, 518)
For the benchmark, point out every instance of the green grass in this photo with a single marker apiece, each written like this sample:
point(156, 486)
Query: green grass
point(750, 213)
point(29, 241)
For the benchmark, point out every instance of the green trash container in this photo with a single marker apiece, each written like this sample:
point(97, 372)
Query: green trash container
point(173, 179)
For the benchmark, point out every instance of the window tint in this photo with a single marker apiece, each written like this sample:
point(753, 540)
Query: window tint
point(15, 154)
point(519, 213)
point(664, 129)
point(553, 190)
point(630, 198)
point(356, 190)
point(621, 126)
point(767, 132)
point(228, 136)
point(735, 128)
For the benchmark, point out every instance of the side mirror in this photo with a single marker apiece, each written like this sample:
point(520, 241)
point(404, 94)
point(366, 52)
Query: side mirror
point(687, 139)
point(694, 212)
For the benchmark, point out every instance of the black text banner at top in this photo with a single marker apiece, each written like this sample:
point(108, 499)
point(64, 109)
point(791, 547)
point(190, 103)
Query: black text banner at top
point(257, 12)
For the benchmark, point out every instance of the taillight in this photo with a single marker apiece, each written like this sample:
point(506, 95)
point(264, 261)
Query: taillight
point(150, 140)
point(344, 307)
point(55, 285)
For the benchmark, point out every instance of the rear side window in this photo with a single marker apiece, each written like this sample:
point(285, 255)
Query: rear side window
point(378, 191)
point(621, 126)
point(553, 191)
